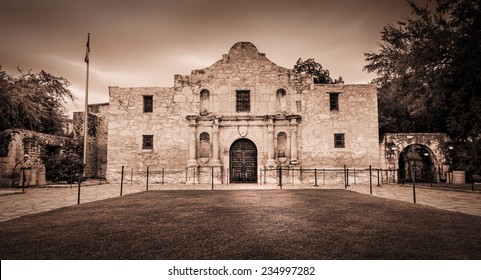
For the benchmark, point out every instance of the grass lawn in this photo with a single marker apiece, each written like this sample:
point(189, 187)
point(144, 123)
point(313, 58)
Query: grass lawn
point(243, 225)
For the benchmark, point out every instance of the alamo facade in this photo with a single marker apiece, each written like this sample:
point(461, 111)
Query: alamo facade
point(240, 115)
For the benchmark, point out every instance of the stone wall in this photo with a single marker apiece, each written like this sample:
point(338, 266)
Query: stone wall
point(16, 143)
point(96, 164)
point(357, 119)
point(128, 123)
point(195, 122)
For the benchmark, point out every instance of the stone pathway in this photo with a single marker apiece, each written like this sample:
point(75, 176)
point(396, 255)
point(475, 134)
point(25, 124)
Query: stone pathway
point(14, 203)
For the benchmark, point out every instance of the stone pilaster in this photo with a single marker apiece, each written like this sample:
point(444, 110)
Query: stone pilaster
point(294, 125)
point(192, 141)
point(192, 172)
point(270, 143)
point(215, 143)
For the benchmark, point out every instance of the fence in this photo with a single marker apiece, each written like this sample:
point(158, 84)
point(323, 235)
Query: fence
point(31, 177)
point(280, 177)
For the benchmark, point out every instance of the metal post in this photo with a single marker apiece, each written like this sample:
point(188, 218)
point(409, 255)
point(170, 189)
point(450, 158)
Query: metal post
point(147, 182)
point(378, 178)
point(131, 176)
point(315, 177)
point(122, 181)
point(414, 185)
point(370, 179)
point(347, 176)
point(345, 182)
point(212, 177)
point(79, 182)
point(280, 177)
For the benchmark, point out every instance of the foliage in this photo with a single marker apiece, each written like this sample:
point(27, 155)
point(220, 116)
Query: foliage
point(33, 101)
point(321, 76)
point(467, 156)
point(428, 72)
point(67, 165)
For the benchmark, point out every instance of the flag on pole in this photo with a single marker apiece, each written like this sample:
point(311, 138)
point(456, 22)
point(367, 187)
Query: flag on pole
point(88, 49)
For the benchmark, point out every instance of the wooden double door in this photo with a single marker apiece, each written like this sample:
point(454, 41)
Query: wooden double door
point(243, 162)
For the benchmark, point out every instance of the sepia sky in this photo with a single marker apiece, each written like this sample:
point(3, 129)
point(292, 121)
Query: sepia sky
point(147, 42)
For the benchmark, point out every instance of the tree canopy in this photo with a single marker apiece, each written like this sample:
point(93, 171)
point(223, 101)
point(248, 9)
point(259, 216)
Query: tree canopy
point(428, 69)
point(33, 101)
point(321, 76)
point(429, 74)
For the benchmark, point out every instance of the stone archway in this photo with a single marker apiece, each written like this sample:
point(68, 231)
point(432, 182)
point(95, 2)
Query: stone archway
point(395, 146)
point(416, 162)
point(243, 161)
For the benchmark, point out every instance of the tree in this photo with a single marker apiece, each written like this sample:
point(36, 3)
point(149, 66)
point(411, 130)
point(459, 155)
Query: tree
point(321, 76)
point(428, 72)
point(33, 101)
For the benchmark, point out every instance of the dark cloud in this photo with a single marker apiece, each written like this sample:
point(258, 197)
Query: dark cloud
point(146, 42)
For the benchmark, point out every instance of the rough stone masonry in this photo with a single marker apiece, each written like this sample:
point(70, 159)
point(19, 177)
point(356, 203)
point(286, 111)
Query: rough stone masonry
point(243, 100)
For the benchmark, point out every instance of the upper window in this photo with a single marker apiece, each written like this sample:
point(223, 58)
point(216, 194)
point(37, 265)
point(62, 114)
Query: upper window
point(334, 101)
point(339, 141)
point(148, 142)
point(243, 101)
point(148, 104)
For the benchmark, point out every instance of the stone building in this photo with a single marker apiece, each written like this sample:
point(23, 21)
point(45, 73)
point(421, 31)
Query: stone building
point(96, 162)
point(240, 116)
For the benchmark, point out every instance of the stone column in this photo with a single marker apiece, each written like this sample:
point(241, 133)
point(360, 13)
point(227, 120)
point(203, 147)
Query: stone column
point(293, 123)
point(215, 142)
point(192, 141)
point(270, 143)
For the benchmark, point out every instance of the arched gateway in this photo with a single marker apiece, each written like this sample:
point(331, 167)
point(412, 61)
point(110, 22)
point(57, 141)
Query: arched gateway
point(243, 161)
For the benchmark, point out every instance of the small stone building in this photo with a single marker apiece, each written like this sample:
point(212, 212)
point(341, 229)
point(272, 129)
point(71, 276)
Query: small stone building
point(15, 143)
point(238, 118)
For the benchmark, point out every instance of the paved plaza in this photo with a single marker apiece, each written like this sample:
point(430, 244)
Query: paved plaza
point(14, 203)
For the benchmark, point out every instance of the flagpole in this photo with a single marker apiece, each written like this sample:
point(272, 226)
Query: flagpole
point(86, 112)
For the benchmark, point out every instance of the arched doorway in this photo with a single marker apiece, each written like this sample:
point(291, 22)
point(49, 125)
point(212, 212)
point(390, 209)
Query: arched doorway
point(415, 161)
point(243, 161)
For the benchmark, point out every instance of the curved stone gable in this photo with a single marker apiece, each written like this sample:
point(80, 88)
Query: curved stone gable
point(243, 63)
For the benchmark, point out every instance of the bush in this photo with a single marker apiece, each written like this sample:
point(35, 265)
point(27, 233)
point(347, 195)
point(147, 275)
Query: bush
point(64, 167)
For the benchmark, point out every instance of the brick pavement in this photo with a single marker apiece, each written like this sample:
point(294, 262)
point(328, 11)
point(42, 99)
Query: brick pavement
point(14, 203)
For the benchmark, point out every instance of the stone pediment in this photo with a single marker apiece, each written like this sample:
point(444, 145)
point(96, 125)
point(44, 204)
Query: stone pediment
point(242, 50)
point(242, 55)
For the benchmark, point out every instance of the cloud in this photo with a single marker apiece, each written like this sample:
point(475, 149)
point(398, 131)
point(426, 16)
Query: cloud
point(147, 42)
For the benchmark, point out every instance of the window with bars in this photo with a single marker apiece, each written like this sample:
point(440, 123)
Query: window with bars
point(339, 140)
point(334, 101)
point(148, 103)
point(147, 142)
point(243, 102)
